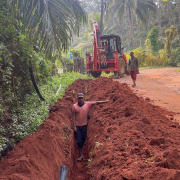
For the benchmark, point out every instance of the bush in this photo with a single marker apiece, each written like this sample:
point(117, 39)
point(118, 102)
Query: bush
point(140, 53)
point(163, 59)
point(152, 61)
point(174, 57)
point(148, 59)
point(32, 111)
point(153, 39)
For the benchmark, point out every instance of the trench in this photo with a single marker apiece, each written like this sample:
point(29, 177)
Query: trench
point(128, 138)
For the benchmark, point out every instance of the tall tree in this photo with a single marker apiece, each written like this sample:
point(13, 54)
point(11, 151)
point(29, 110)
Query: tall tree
point(102, 13)
point(139, 7)
point(153, 39)
point(45, 25)
point(170, 35)
point(158, 13)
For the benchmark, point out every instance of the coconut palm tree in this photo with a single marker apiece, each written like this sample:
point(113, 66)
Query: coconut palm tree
point(49, 22)
point(138, 7)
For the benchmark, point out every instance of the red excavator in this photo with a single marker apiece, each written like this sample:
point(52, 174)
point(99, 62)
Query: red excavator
point(107, 55)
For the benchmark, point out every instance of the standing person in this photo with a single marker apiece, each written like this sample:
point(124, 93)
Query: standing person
point(80, 111)
point(134, 67)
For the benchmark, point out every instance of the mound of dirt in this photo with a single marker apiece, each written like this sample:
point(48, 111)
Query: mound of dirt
point(128, 139)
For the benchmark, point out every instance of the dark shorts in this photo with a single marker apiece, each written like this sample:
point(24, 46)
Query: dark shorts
point(133, 75)
point(80, 135)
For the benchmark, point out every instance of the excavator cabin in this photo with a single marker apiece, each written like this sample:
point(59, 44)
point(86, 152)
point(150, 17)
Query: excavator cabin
point(111, 43)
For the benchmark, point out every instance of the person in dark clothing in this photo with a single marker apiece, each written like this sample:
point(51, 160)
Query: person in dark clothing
point(134, 67)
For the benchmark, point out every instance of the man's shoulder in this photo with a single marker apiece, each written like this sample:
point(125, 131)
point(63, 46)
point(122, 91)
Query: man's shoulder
point(74, 105)
point(135, 58)
point(88, 102)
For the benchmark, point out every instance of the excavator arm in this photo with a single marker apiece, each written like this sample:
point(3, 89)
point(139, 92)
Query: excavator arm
point(96, 45)
point(99, 54)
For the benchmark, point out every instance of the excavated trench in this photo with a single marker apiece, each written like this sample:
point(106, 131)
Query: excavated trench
point(128, 139)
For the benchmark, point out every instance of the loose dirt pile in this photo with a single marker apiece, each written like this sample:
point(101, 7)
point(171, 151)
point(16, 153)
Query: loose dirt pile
point(128, 139)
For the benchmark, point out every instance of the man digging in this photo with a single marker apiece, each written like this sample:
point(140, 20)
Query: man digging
point(80, 111)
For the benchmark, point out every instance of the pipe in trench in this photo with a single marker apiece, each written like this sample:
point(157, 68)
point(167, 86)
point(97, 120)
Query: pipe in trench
point(63, 173)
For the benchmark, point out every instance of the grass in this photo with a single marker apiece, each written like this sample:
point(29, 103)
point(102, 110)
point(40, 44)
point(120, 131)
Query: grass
point(107, 75)
point(177, 70)
point(154, 67)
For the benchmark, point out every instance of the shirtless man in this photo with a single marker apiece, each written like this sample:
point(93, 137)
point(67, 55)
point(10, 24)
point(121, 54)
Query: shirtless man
point(80, 111)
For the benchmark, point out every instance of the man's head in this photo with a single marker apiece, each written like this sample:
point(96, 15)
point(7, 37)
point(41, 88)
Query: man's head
point(131, 54)
point(80, 97)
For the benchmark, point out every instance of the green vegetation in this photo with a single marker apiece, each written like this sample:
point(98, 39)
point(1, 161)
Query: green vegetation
point(177, 70)
point(135, 21)
point(107, 75)
point(154, 67)
point(150, 160)
point(139, 8)
point(174, 58)
point(147, 58)
point(49, 28)
point(96, 146)
point(153, 39)
point(89, 162)
point(94, 149)
point(33, 36)
point(32, 111)
point(170, 35)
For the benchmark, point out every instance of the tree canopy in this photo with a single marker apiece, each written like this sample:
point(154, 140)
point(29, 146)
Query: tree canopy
point(50, 23)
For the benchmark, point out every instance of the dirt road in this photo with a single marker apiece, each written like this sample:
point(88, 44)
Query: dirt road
point(162, 86)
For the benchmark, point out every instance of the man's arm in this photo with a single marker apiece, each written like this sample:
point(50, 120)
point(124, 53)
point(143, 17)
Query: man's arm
point(99, 102)
point(137, 65)
point(129, 62)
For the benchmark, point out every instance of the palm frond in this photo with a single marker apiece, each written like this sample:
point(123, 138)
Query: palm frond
point(53, 21)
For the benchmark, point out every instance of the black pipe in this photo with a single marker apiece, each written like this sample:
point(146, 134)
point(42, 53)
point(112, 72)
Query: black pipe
point(34, 82)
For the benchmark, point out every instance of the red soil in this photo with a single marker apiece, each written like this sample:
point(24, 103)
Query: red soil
point(128, 139)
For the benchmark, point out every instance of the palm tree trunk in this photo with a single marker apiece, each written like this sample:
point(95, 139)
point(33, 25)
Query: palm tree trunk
point(169, 10)
point(178, 10)
point(139, 35)
point(102, 8)
point(159, 14)
point(131, 27)
point(173, 18)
